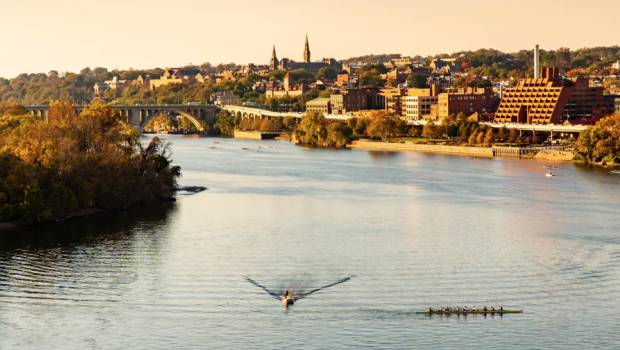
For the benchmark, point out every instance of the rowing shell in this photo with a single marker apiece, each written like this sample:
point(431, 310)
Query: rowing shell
point(477, 312)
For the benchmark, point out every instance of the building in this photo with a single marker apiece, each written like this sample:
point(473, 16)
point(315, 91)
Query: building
point(396, 77)
point(113, 84)
point(351, 100)
point(551, 99)
point(444, 65)
point(467, 101)
point(143, 81)
point(392, 98)
point(346, 79)
point(99, 88)
point(178, 76)
point(412, 103)
point(416, 107)
point(286, 89)
point(225, 98)
point(273, 62)
point(352, 68)
point(307, 64)
point(320, 105)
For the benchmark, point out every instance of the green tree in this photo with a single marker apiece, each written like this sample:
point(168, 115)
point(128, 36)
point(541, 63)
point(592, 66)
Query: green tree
point(417, 81)
point(311, 130)
point(225, 123)
point(326, 73)
point(383, 125)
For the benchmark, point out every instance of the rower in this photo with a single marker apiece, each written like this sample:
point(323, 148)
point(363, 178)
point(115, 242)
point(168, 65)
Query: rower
point(430, 310)
point(484, 309)
point(492, 309)
point(501, 309)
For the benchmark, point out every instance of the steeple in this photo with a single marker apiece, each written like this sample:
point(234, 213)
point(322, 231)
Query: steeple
point(273, 63)
point(307, 51)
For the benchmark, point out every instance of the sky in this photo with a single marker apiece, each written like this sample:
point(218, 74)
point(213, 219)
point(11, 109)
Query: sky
point(68, 35)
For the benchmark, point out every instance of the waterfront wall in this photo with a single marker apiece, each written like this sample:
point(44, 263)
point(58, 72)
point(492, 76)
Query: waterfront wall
point(408, 146)
point(496, 151)
point(255, 135)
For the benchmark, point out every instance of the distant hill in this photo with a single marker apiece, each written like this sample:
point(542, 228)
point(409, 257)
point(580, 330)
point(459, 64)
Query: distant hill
point(372, 58)
point(489, 63)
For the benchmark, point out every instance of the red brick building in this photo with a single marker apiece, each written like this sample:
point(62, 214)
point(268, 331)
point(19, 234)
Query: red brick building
point(551, 99)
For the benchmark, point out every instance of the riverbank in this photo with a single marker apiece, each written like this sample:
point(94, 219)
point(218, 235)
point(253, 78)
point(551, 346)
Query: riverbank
point(488, 152)
point(255, 135)
point(417, 147)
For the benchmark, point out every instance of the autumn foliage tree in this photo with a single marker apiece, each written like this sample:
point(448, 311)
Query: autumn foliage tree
point(94, 160)
point(601, 142)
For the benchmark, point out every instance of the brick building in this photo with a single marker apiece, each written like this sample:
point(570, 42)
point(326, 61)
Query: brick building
point(351, 100)
point(467, 101)
point(553, 99)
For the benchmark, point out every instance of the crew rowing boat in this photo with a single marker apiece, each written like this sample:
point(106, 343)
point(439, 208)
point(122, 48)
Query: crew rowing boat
point(470, 312)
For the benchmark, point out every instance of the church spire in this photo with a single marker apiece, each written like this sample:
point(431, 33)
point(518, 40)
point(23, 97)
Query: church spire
point(307, 51)
point(274, 63)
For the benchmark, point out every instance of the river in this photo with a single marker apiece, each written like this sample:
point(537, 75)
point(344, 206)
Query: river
point(415, 229)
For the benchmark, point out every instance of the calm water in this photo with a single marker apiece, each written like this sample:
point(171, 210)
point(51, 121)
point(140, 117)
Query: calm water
point(416, 229)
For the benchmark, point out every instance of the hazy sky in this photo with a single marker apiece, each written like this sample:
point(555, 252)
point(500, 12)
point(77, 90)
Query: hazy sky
point(67, 35)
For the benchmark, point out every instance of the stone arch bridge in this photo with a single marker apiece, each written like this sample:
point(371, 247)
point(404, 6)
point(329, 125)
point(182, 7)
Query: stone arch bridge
point(138, 115)
point(249, 112)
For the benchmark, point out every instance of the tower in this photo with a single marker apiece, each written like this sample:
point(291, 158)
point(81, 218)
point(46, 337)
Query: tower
point(273, 63)
point(307, 51)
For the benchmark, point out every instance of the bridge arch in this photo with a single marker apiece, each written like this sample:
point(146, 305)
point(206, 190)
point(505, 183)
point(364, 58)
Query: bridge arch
point(197, 124)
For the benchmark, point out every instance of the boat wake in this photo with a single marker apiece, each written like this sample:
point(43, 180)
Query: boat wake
point(298, 293)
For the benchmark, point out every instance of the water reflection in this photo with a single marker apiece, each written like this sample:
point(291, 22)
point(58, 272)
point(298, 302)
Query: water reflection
point(84, 260)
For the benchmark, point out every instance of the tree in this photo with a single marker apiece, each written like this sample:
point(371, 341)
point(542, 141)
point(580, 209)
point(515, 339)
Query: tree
point(383, 125)
point(225, 123)
point(430, 130)
point(61, 111)
point(301, 76)
point(417, 81)
point(358, 126)
point(600, 144)
point(338, 134)
point(480, 137)
point(489, 137)
point(289, 123)
point(93, 160)
point(271, 125)
point(326, 73)
point(311, 130)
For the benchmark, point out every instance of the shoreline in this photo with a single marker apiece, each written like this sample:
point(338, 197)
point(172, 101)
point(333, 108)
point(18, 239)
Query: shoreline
point(82, 213)
point(486, 152)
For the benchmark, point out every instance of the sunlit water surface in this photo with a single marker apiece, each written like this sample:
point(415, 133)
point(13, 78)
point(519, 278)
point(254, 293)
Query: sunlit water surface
point(417, 229)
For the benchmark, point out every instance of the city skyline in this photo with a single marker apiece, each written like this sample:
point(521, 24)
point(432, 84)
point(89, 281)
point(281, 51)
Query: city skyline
point(143, 34)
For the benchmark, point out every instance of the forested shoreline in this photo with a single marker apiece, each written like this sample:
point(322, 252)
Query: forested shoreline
point(73, 162)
